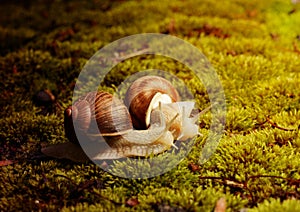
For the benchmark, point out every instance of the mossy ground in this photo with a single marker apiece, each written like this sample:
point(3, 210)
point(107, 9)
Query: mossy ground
point(254, 46)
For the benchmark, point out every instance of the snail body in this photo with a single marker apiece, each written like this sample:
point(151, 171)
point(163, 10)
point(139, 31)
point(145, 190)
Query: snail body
point(156, 139)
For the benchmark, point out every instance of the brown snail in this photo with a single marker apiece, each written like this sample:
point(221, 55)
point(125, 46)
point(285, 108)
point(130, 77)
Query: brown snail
point(99, 115)
point(143, 97)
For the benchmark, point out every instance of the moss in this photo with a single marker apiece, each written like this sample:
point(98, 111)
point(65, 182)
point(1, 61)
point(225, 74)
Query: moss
point(253, 46)
point(276, 205)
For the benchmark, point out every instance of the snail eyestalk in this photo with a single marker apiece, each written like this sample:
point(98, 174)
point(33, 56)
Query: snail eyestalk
point(168, 127)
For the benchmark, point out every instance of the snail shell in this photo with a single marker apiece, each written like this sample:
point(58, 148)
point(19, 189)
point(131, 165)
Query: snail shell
point(144, 94)
point(99, 114)
point(94, 112)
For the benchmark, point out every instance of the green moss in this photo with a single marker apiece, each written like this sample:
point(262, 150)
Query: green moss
point(254, 48)
point(276, 205)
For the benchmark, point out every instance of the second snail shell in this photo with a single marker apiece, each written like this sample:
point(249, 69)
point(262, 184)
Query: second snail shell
point(144, 94)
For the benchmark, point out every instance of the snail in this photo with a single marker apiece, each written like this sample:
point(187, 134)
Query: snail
point(143, 97)
point(100, 111)
point(109, 130)
point(99, 114)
